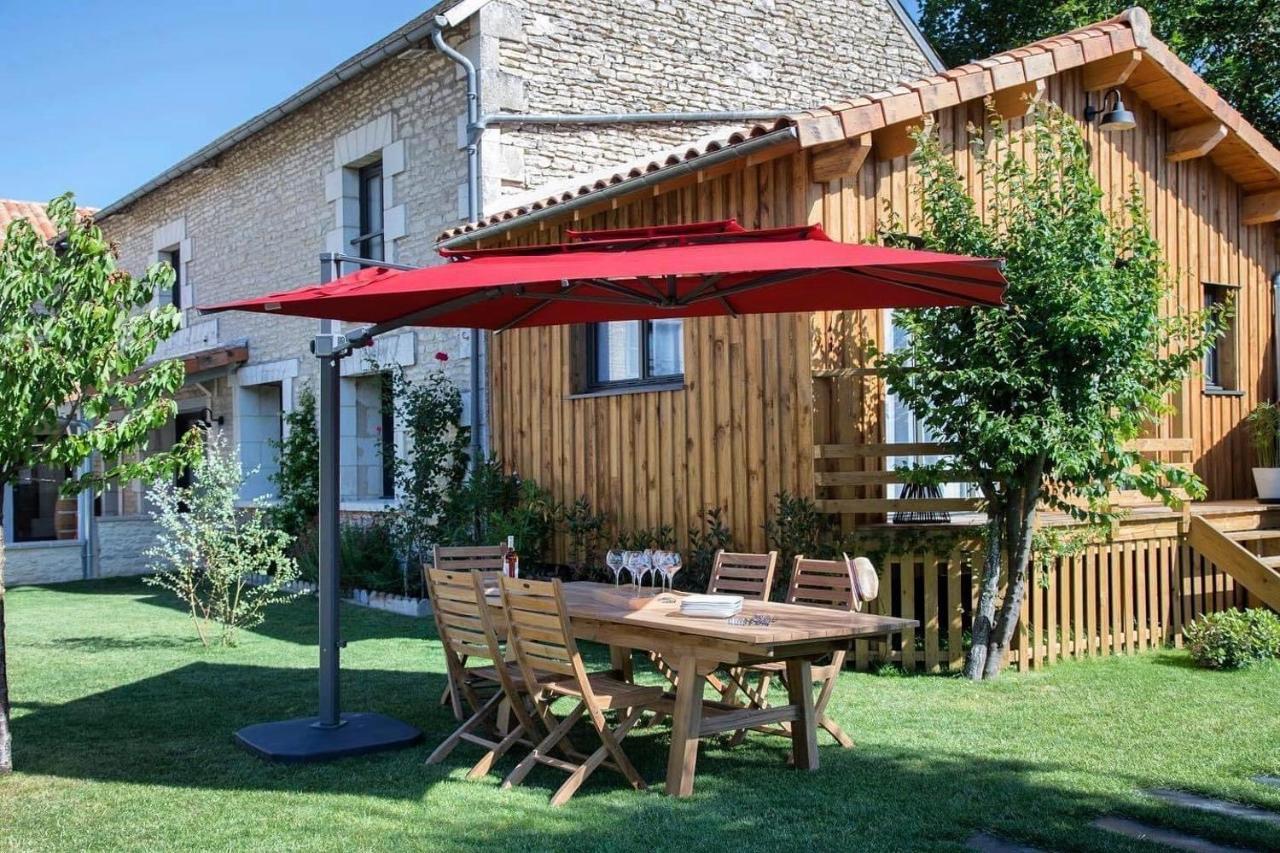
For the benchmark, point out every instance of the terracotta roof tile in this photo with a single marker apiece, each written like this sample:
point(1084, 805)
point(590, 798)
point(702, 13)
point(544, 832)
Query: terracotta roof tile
point(33, 212)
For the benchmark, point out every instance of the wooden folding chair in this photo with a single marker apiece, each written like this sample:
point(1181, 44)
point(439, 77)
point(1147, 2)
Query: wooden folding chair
point(818, 583)
point(747, 575)
point(467, 631)
point(466, 558)
point(542, 639)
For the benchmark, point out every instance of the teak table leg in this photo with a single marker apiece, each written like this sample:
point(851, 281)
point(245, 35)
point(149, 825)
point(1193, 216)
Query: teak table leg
point(620, 661)
point(685, 723)
point(804, 731)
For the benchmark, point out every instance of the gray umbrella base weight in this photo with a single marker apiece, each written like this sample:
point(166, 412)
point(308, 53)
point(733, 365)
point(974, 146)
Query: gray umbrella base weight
point(302, 740)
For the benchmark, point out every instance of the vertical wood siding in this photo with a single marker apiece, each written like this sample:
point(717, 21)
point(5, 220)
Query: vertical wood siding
point(743, 427)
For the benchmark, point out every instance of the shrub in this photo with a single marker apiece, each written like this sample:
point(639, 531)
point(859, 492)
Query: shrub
point(661, 538)
point(227, 564)
point(491, 505)
point(297, 480)
point(1234, 638)
point(430, 413)
point(585, 528)
point(370, 559)
point(710, 535)
point(1264, 433)
point(797, 527)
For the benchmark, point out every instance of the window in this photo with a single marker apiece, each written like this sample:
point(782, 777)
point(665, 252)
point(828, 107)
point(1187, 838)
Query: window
point(35, 503)
point(634, 353)
point(369, 243)
point(260, 414)
point(173, 257)
point(1221, 374)
point(369, 455)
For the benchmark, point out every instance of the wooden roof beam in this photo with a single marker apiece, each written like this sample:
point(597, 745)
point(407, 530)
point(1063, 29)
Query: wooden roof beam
point(896, 140)
point(1261, 208)
point(1111, 72)
point(842, 160)
point(1195, 141)
point(1016, 101)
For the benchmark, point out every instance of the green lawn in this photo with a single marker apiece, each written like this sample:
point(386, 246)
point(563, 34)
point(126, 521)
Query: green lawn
point(123, 740)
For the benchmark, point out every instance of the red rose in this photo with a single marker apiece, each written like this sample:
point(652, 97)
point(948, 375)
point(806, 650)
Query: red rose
point(442, 356)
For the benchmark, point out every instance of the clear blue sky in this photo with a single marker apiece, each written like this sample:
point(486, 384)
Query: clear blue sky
point(101, 95)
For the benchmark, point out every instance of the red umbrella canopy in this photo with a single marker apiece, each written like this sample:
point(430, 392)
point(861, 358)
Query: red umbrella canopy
point(701, 270)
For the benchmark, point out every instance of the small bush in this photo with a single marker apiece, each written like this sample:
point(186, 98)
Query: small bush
point(1234, 638)
point(297, 479)
point(711, 534)
point(660, 538)
point(797, 527)
point(492, 505)
point(370, 560)
point(585, 528)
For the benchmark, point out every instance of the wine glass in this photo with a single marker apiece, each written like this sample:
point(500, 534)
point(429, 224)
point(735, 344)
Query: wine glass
point(665, 560)
point(639, 565)
point(616, 561)
point(674, 564)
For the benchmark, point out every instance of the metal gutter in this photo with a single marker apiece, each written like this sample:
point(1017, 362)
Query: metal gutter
point(726, 154)
point(405, 38)
point(633, 118)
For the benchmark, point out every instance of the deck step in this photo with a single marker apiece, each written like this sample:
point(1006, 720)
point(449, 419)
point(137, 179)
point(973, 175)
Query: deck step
point(1252, 535)
point(1160, 835)
point(1215, 806)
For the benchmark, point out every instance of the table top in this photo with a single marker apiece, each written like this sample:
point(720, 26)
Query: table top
point(790, 623)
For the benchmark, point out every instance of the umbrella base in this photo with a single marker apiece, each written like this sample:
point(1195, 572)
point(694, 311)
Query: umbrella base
point(303, 740)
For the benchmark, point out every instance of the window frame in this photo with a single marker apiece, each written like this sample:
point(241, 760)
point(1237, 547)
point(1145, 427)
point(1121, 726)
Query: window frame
point(1224, 352)
point(646, 381)
point(387, 443)
point(363, 242)
point(173, 257)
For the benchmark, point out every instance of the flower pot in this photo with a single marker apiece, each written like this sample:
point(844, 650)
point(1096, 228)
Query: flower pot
point(1268, 482)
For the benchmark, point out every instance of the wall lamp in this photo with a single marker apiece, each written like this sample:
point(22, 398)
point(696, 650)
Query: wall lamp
point(1112, 115)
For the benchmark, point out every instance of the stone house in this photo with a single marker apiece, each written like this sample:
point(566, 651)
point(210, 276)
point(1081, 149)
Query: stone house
point(372, 159)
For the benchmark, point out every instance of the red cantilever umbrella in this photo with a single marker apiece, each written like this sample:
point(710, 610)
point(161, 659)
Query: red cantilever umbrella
point(708, 269)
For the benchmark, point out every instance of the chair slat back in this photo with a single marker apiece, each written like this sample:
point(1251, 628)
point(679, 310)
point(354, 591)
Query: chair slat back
point(821, 583)
point(538, 627)
point(458, 614)
point(748, 575)
point(486, 558)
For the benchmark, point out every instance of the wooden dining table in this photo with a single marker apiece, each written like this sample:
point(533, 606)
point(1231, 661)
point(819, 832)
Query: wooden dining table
point(694, 647)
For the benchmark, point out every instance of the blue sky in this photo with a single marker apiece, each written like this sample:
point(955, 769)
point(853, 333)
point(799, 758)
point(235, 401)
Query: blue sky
point(100, 96)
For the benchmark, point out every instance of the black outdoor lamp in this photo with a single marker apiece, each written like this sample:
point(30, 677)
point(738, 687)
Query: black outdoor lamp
point(1113, 115)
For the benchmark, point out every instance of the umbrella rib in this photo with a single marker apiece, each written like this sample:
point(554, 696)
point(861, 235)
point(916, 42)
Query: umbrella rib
point(922, 288)
point(520, 318)
point(952, 279)
point(700, 295)
point(707, 283)
point(648, 282)
point(360, 337)
point(605, 284)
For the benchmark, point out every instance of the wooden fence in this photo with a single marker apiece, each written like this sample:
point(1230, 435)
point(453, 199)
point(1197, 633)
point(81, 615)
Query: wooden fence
point(1119, 597)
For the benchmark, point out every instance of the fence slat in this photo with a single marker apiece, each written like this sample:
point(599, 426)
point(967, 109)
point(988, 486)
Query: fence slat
point(955, 618)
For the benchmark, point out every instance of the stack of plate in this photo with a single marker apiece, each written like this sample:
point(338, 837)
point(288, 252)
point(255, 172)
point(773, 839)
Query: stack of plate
point(712, 606)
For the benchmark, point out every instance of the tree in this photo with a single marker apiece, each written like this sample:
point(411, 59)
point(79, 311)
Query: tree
point(75, 337)
point(1040, 398)
point(1231, 43)
point(226, 562)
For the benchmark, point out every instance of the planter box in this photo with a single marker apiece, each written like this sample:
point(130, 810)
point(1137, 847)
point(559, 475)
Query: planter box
point(1267, 481)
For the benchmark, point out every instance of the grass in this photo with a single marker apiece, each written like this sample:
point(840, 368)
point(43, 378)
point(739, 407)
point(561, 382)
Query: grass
point(123, 741)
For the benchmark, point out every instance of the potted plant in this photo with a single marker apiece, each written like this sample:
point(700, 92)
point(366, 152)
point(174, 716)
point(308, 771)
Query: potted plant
point(1264, 432)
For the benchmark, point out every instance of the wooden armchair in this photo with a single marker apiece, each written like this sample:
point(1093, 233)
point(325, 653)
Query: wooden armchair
point(540, 635)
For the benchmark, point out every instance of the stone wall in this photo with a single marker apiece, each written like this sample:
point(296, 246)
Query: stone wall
point(662, 55)
point(42, 562)
point(121, 542)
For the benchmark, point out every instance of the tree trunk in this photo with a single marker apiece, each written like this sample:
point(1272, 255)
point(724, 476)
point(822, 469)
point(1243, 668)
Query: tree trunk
point(984, 618)
point(1019, 533)
point(6, 740)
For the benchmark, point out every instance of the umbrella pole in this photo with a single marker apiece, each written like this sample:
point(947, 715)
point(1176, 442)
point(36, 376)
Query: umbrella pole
point(331, 734)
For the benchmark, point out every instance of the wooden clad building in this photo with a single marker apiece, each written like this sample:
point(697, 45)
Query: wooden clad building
point(759, 402)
